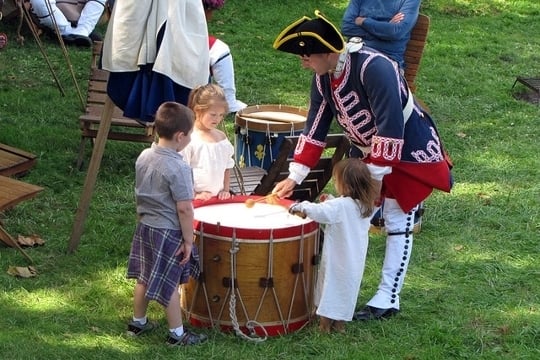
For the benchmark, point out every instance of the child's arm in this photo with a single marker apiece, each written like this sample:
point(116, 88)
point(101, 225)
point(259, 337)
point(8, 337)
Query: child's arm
point(185, 216)
point(324, 213)
point(225, 193)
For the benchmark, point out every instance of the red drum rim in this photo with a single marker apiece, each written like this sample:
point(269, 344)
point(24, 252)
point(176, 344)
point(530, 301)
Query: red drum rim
point(243, 119)
point(270, 328)
point(251, 234)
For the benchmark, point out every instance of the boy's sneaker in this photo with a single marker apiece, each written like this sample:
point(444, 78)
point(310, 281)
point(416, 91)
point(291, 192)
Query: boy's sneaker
point(187, 338)
point(135, 328)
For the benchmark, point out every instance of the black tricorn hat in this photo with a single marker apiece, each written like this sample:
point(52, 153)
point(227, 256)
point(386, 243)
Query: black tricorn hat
point(308, 36)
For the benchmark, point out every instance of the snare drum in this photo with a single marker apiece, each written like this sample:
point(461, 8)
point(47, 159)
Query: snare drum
point(261, 129)
point(258, 268)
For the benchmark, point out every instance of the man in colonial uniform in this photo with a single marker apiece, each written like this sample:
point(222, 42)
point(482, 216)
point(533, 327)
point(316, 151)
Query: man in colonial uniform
point(364, 91)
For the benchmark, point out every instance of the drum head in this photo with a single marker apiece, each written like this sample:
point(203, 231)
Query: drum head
point(272, 118)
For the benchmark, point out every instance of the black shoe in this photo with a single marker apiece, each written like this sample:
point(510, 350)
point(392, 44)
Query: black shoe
point(68, 39)
point(188, 338)
point(373, 313)
point(77, 40)
point(94, 36)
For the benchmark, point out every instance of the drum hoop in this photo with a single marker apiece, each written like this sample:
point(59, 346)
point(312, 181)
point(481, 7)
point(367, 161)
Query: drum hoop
point(206, 234)
point(266, 324)
point(247, 233)
point(275, 125)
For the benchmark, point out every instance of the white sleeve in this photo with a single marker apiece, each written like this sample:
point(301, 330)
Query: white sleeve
point(298, 172)
point(378, 172)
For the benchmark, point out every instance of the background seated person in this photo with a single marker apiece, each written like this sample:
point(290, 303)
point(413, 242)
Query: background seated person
point(383, 25)
point(76, 19)
point(221, 61)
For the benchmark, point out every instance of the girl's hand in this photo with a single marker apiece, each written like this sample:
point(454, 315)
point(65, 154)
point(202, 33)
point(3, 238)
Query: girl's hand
point(224, 195)
point(205, 195)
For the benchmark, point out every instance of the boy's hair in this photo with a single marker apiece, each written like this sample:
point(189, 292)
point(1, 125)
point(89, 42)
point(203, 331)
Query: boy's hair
point(353, 179)
point(172, 117)
point(203, 97)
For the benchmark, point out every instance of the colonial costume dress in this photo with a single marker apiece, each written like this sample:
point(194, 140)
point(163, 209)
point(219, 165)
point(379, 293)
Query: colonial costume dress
point(156, 51)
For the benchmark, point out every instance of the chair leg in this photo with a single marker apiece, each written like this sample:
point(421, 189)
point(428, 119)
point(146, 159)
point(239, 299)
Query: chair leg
point(80, 159)
point(6, 238)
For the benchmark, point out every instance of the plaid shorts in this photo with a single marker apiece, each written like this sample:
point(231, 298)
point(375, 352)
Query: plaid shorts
point(153, 263)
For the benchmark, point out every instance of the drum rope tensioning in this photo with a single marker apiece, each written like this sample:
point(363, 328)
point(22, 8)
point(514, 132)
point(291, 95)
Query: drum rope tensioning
point(260, 131)
point(257, 273)
point(232, 302)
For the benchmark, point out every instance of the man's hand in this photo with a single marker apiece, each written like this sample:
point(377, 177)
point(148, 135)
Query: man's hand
point(359, 20)
point(397, 18)
point(284, 188)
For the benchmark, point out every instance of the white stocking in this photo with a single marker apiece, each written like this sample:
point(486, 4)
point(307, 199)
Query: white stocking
point(90, 15)
point(399, 241)
point(41, 10)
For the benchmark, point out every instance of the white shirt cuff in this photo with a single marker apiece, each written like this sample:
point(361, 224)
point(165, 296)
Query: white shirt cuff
point(298, 172)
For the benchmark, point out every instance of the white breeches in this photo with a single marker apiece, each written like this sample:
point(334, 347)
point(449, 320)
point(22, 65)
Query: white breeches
point(88, 19)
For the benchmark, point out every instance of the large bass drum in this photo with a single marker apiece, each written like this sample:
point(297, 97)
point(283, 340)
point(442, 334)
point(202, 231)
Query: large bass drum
point(258, 268)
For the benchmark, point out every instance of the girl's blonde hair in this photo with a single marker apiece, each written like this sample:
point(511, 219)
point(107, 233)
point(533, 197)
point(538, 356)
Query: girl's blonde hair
point(205, 96)
point(353, 179)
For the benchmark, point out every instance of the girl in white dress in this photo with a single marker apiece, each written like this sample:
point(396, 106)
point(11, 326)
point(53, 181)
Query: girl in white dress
point(347, 219)
point(210, 153)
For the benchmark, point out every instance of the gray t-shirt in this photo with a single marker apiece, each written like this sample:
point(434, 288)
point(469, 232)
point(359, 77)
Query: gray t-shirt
point(162, 178)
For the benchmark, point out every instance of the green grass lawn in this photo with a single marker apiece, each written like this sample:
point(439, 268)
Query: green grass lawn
point(473, 286)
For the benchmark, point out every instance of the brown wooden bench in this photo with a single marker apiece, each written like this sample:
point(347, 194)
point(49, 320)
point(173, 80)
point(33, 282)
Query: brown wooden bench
point(243, 181)
point(122, 128)
point(15, 162)
point(12, 192)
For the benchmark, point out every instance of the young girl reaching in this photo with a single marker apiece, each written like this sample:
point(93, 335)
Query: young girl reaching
point(347, 220)
point(210, 153)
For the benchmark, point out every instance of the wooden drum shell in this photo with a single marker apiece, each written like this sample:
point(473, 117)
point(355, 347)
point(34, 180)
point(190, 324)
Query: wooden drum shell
point(275, 275)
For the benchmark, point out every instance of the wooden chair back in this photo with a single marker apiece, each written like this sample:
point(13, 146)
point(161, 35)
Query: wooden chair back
point(122, 128)
point(337, 145)
point(415, 49)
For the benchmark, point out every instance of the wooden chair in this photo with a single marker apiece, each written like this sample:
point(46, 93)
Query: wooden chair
point(12, 192)
point(336, 147)
point(122, 128)
point(415, 49)
point(243, 181)
point(15, 162)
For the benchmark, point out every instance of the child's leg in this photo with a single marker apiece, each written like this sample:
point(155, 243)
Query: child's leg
point(339, 326)
point(325, 324)
point(140, 302)
point(173, 312)
point(140, 323)
point(178, 335)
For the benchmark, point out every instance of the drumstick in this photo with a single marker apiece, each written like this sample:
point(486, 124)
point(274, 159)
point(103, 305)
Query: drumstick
point(256, 116)
point(250, 202)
